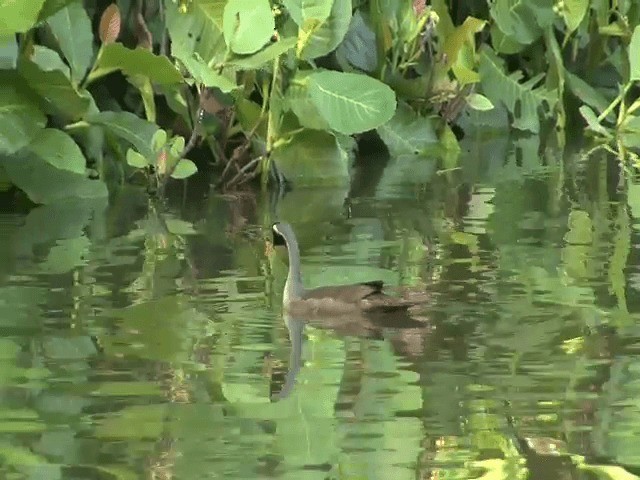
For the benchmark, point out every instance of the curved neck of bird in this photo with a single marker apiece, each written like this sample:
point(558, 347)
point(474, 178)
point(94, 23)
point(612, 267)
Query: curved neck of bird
point(294, 287)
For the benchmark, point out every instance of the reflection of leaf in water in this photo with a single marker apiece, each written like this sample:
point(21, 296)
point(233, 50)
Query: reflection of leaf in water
point(65, 255)
point(159, 329)
point(133, 422)
point(63, 224)
point(21, 426)
point(126, 389)
point(389, 447)
point(72, 348)
point(19, 456)
point(311, 206)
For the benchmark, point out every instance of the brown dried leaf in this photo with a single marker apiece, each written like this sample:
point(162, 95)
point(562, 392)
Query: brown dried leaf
point(110, 24)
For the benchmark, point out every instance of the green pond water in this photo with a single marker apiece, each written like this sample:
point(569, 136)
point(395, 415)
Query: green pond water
point(140, 342)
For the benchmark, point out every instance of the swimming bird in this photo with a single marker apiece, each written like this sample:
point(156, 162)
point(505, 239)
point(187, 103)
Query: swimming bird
point(363, 298)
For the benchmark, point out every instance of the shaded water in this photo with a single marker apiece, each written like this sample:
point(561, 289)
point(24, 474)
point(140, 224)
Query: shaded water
point(138, 344)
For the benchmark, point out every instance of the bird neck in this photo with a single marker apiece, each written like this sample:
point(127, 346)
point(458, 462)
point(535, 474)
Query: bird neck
point(293, 288)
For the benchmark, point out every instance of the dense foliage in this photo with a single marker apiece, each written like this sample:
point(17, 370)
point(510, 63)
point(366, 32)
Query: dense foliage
point(93, 92)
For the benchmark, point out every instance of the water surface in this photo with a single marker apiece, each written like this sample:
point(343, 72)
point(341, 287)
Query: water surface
point(140, 342)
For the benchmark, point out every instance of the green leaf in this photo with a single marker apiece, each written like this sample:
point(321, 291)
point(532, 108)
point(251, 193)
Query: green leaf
point(522, 20)
point(303, 10)
point(51, 7)
point(359, 44)
point(248, 25)
point(144, 86)
point(18, 16)
point(407, 133)
point(43, 183)
point(71, 27)
point(59, 150)
point(266, 55)
point(298, 100)
point(140, 61)
point(185, 168)
point(573, 13)
point(479, 102)
point(587, 94)
point(313, 157)
point(20, 117)
point(159, 140)
point(58, 95)
point(318, 38)
point(196, 32)
point(207, 76)
point(8, 53)
point(125, 125)
point(521, 100)
point(49, 60)
point(592, 121)
point(628, 131)
point(634, 55)
point(136, 160)
point(351, 103)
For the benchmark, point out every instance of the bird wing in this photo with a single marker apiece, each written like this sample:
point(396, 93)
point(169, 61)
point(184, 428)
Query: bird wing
point(353, 293)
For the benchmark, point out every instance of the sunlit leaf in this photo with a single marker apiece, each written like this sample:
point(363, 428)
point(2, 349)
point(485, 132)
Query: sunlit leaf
point(184, 169)
point(573, 13)
point(140, 61)
point(248, 25)
point(634, 55)
point(317, 38)
point(351, 103)
point(18, 16)
point(479, 102)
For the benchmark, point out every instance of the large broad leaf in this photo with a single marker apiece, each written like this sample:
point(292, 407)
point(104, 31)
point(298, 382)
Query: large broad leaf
point(359, 45)
point(59, 150)
point(20, 117)
point(634, 55)
point(299, 101)
point(140, 61)
point(313, 157)
point(523, 20)
point(248, 25)
point(318, 38)
point(196, 32)
point(351, 103)
point(71, 27)
point(58, 95)
point(408, 134)
point(45, 184)
point(522, 100)
point(18, 16)
point(129, 127)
